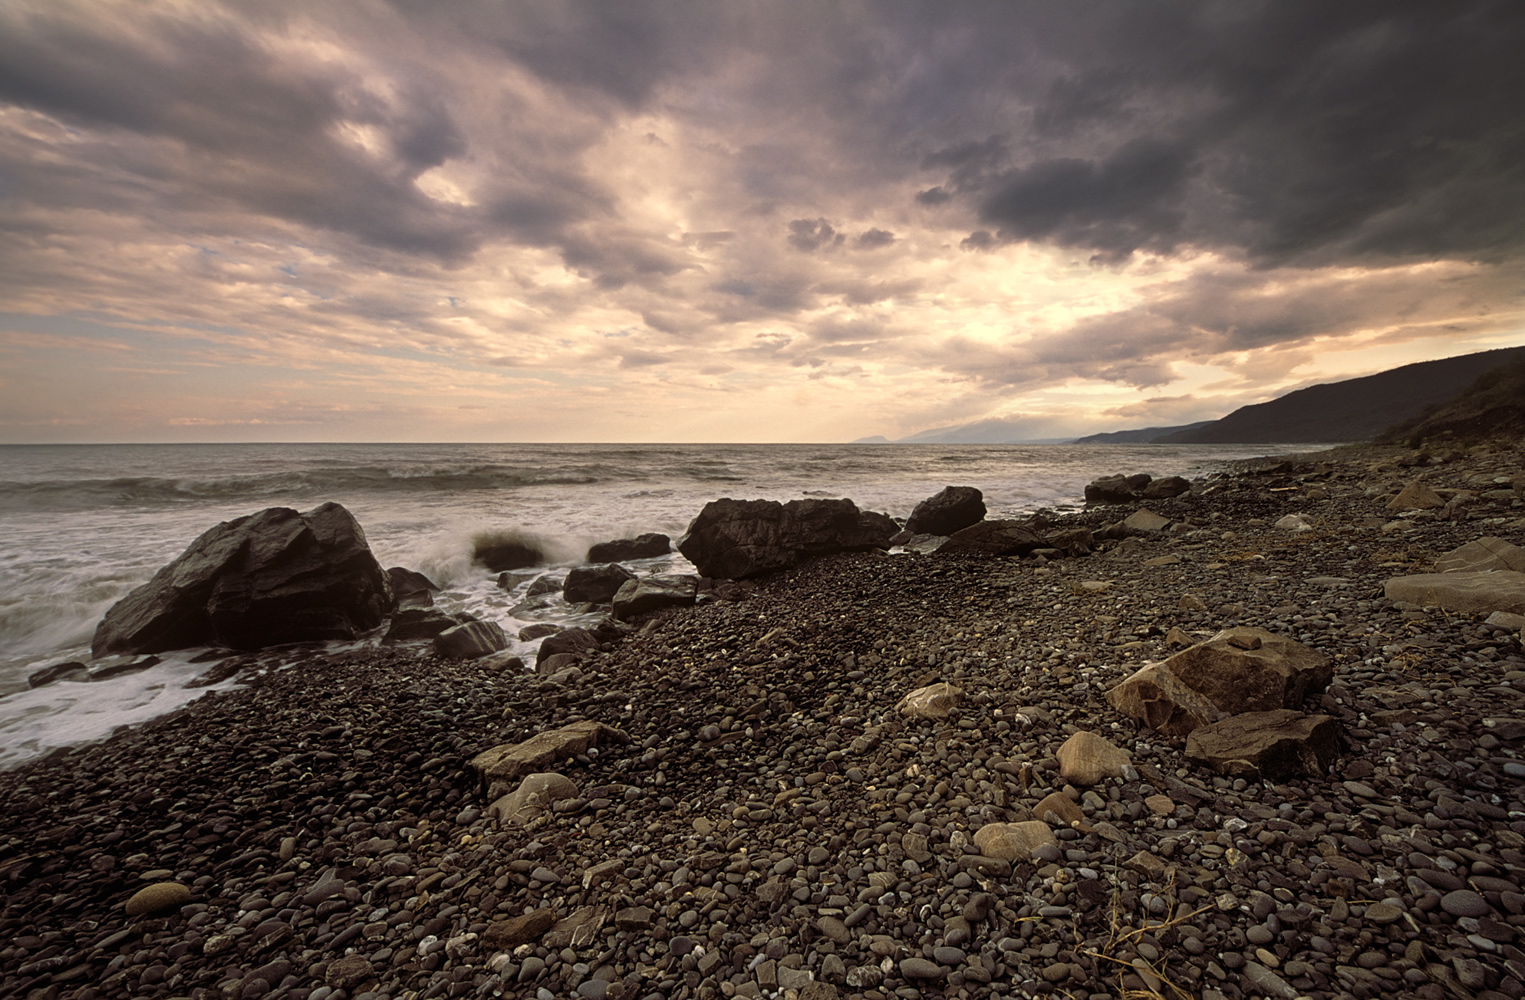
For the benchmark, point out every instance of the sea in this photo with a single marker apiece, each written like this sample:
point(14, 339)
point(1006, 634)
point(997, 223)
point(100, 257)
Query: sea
point(82, 525)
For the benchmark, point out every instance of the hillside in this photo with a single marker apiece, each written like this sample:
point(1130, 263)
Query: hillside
point(1143, 435)
point(1492, 405)
point(1356, 409)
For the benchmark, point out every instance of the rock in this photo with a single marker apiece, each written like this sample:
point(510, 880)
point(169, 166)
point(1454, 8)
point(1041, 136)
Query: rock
point(1468, 593)
point(539, 630)
point(951, 509)
point(269, 578)
point(117, 666)
point(1145, 522)
point(577, 929)
point(1071, 541)
point(470, 641)
point(1117, 489)
point(415, 623)
point(921, 968)
point(1058, 809)
point(506, 763)
point(594, 584)
point(568, 640)
point(411, 589)
point(348, 972)
point(1294, 522)
point(645, 546)
point(534, 796)
point(1273, 745)
point(636, 597)
point(935, 701)
point(1268, 982)
point(1013, 841)
point(58, 671)
point(742, 538)
point(506, 550)
point(1088, 759)
point(1464, 903)
point(1483, 555)
point(993, 538)
point(1178, 638)
point(1415, 496)
point(1166, 487)
point(1220, 677)
point(157, 898)
point(506, 935)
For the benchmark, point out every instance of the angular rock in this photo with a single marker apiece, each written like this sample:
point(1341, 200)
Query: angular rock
point(1274, 745)
point(1117, 489)
point(58, 671)
point(539, 630)
point(1013, 841)
point(470, 641)
point(348, 972)
point(645, 546)
point(947, 511)
point(568, 640)
point(1145, 522)
point(1415, 496)
point(535, 794)
point(157, 898)
point(1468, 593)
point(1484, 555)
point(577, 929)
point(1087, 759)
point(269, 578)
point(415, 623)
point(594, 584)
point(1166, 487)
point(1071, 541)
point(650, 593)
point(505, 935)
point(935, 701)
point(506, 763)
point(741, 538)
point(1237, 670)
point(1294, 522)
point(411, 589)
point(1058, 809)
point(993, 538)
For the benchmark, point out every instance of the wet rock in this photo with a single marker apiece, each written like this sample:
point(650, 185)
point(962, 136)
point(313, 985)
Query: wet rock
point(58, 671)
point(1088, 759)
point(935, 701)
point(500, 551)
point(269, 578)
point(741, 538)
point(594, 584)
point(1237, 670)
point(568, 640)
point(644, 546)
point(157, 898)
point(1275, 745)
point(410, 624)
point(504, 764)
point(652, 593)
point(470, 641)
point(947, 511)
point(411, 589)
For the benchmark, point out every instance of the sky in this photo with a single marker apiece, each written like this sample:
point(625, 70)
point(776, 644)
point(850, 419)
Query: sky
point(696, 221)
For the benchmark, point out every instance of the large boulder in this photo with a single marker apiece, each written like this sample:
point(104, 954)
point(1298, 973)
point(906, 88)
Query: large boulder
point(741, 538)
point(411, 624)
point(1277, 745)
point(1465, 593)
point(947, 511)
point(644, 546)
point(273, 577)
point(1487, 553)
point(653, 592)
point(470, 641)
point(568, 640)
point(1165, 487)
point(594, 584)
point(506, 550)
point(1117, 489)
point(411, 588)
point(993, 538)
point(1237, 670)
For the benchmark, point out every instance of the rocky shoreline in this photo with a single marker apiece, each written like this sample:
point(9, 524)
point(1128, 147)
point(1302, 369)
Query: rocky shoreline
point(761, 820)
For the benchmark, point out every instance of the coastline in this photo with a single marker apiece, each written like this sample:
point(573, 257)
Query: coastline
point(773, 815)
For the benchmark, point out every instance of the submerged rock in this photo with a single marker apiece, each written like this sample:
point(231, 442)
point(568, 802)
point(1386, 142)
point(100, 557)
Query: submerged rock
point(645, 546)
point(269, 578)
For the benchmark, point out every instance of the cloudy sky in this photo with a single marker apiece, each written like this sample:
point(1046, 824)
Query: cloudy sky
point(692, 221)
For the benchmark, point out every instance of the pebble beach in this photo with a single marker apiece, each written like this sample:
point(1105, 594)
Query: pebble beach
point(765, 822)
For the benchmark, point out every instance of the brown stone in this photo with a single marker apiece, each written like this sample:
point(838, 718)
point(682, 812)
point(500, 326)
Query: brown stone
point(533, 797)
point(1219, 677)
point(935, 701)
point(1416, 496)
point(1276, 745)
point(158, 898)
point(1058, 809)
point(507, 934)
point(1088, 759)
point(1013, 841)
point(347, 972)
point(506, 763)
point(1467, 593)
point(1484, 554)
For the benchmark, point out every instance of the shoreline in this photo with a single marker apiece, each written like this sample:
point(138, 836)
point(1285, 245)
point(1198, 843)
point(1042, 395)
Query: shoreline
point(773, 822)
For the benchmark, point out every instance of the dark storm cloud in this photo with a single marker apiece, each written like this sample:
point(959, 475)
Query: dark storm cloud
point(873, 239)
point(809, 235)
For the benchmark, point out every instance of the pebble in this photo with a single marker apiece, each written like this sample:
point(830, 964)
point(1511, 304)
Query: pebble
point(1464, 903)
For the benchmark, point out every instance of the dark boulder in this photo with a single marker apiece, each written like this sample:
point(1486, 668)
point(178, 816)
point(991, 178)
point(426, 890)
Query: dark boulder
point(948, 511)
point(993, 538)
point(741, 538)
point(470, 641)
point(269, 578)
point(1166, 487)
point(539, 630)
point(411, 624)
point(568, 640)
point(58, 671)
point(1118, 489)
point(644, 546)
point(594, 584)
point(504, 550)
point(654, 592)
point(410, 588)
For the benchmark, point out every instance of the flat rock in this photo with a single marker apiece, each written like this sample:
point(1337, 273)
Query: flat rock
point(1278, 744)
point(506, 763)
point(1238, 670)
point(1145, 522)
point(1088, 759)
point(1013, 841)
point(594, 584)
point(534, 795)
point(644, 546)
point(348, 972)
point(951, 509)
point(652, 593)
point(993, 538)
point(1482, 555)
point(935, 701)
point(508, 934)
point(1464, 592)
